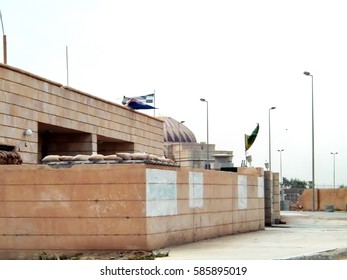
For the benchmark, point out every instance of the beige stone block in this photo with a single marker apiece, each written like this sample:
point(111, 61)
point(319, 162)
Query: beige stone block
point(28, 157)
point(239, 216)
point(167, 224)
point(252, 181)
point(163, 240)
point(209, 205)
point(252, 191)
point(73, 226)
point(212, 219)
point(240, 227)
point(213, 178)
point(276, 199)
point(250, 171)
point(254, 215)
point(79, 242)
point(213, 232)
point(97, 174)
point(268, 175)
point(73, 209)
point(252, 203)
point(218, 191)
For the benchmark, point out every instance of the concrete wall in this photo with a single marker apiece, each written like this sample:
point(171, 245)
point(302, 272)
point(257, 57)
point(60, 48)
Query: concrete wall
point(268, 203)
point(276, 198)
point(122, 207)
point(50, 109)
point(272, 208)
point(323, 197)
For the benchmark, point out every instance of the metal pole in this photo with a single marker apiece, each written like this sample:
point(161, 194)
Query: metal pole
point(4, 40)
point(313, 167)
point(67, 66)
point(272, 108)
point(334, 167)
point(334, 171)
point(207, 165)
point(5, 49)
point(313, 161)
point(208, 152)
point(281, 174)
point(180, 139)
point(154, 103)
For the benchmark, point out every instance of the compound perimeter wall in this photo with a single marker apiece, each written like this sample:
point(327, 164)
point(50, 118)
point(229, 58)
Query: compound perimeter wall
point(81, 207)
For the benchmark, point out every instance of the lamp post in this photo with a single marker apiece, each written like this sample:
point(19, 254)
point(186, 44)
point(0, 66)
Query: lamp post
point(313, 169)
point(281, 174)
point(272, 108)
point(180, 139)
point(334, 154)
point(207, 165)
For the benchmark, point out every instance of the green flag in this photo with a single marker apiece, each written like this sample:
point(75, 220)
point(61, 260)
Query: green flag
point(249, 139)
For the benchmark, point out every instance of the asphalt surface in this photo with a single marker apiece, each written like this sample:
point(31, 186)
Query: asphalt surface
point(305, 235)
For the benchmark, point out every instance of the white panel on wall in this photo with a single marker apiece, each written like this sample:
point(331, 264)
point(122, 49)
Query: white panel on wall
point(161, 192)
point(196, 189)
point(242, 191)
point(260, 186)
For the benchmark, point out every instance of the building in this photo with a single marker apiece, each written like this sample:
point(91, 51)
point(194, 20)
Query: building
point(180, 145)
point(42, 117)
point(113, 206)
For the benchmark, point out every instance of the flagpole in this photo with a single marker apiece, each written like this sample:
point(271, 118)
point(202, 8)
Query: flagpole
point(245, 148)
point(67, 66)
point(4, 40)
point(154, 103)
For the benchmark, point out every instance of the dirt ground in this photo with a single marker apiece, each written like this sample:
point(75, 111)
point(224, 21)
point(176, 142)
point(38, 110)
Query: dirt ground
point(105, 255)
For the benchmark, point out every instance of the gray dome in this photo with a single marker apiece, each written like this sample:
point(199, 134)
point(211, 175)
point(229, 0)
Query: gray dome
point(175, 131)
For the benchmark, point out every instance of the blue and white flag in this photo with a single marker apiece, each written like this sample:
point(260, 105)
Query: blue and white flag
point(149, 98)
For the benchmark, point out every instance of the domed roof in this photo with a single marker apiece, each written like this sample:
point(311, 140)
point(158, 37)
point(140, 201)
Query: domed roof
point(175, 131)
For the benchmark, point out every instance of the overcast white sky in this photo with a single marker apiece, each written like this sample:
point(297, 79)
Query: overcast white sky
point(242, 56)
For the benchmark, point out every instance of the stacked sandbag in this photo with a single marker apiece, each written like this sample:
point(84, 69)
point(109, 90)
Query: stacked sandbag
point(10, 157)
point(81, 158)
point(122, 156)
point(59, 158)
point(112, 157)
point(51, 158)
point(139, 156)
point(96, 157)
point(66, 158)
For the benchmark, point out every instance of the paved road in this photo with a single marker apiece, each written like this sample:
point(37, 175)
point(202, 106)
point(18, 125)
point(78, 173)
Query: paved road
point(304, 234)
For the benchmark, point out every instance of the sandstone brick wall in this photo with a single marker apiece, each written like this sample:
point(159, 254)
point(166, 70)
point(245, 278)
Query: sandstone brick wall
point(31, 102)
point(122, 207)
point(323, 197)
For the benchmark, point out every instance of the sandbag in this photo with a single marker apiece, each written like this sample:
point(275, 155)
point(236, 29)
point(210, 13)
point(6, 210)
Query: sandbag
point(66, 158)
point(81, 158)
point(112, 157)
point(96, 157)
point(139, 156)
point(125, 156)
point(51, 158)
point(152, 157)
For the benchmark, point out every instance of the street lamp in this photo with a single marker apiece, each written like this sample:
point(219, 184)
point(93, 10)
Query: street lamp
point(334, 154)
point(313, 175)
point(207, 165)
point(272, 108)
point(180, 139)
point(281, 174)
